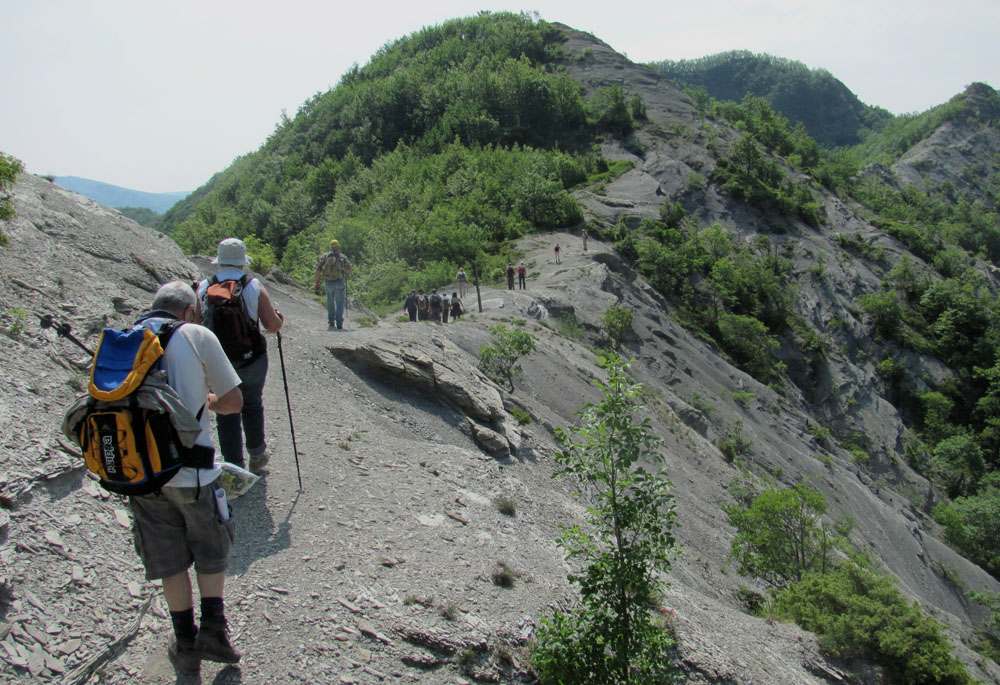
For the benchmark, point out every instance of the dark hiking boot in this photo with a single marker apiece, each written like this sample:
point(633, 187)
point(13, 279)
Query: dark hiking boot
point(212, 643)
point(184, 656)
point(259, 461)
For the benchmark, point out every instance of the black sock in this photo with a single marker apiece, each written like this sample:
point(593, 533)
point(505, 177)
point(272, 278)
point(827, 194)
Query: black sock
point(212, 609)
point(184, 627)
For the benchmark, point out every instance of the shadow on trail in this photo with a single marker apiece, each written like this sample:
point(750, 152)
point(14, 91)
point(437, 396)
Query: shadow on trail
point(256, 534)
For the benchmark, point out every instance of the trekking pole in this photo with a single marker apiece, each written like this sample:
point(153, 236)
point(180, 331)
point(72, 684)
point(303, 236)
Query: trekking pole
point(288, 403)
point(63, 329)
point(475, 275)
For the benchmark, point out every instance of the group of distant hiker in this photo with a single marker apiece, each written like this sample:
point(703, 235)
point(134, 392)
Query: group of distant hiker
point(522, 273)
point(434, 307)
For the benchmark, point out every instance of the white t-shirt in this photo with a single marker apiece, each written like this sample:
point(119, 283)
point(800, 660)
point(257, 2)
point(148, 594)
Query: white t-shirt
point(196, 365)
point(234, 273)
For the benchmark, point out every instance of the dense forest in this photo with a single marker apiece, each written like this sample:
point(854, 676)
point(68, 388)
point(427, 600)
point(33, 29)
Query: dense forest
point(831, 113)
point(453, 142)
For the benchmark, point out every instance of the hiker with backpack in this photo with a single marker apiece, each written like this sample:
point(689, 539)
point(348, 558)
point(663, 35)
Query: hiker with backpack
point(235, 306)
point(144, 430)
point(434, 302)
point(445, 307)
point(522, 271)
point(510, 277)
point(456, 307)
point(334, 268)
point(463, 280)
point(410, 305)
point(423, 306)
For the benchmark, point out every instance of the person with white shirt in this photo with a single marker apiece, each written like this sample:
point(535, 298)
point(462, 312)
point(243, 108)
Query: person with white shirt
point(232, 260)
point(182, 524)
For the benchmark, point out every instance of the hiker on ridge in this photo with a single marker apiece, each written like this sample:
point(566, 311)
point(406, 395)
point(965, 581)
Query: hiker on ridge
point(463, 280)
point(334, 268)
point(584, 235)
point(235, 306)
point(180, 525)
point(410, 305)
point(456, 307)
point(510, 277)
point(434, 302)
point(556, 250)
point(445, 307)
point(422, 305)
point(522, 271)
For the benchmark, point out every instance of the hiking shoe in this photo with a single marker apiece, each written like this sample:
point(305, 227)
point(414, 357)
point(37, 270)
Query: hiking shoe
point(184, 656)
point(259, 461)
point(212, 643)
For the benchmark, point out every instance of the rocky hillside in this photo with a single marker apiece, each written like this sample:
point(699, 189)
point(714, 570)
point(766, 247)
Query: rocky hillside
point(381, 567)
point(960, 152)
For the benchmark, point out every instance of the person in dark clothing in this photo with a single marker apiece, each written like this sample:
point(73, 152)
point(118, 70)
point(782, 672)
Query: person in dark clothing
point(522, 271)
point(410, 305)
point(456, 307)
point(435, 306)
point(510, 277)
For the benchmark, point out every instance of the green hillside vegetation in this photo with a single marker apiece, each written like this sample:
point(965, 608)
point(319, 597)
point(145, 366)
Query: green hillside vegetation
point(857, 611)
point(141, 215)
point(448, 144)
point(830, 112)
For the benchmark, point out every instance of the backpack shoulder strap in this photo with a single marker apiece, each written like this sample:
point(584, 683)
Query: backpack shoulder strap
point(167, 331)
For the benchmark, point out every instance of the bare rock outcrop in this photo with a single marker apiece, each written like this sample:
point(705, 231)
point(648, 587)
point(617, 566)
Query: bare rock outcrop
point(410, 356)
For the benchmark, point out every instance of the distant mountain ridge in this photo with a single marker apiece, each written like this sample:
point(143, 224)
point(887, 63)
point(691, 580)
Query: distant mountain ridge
point(116, 196)
point(830, 111)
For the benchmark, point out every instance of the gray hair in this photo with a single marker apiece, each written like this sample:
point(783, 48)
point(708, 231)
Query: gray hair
point(174, 297)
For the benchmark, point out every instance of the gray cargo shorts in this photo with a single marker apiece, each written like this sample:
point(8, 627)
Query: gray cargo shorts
point(178, 527)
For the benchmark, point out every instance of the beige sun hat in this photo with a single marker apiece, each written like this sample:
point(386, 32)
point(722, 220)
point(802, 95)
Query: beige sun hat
point(232, 252)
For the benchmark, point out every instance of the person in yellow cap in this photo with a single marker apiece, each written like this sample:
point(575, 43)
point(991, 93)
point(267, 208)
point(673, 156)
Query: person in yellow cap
point(334, 267)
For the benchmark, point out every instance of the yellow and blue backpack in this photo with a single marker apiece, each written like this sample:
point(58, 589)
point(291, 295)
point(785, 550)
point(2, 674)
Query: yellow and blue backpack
point(132, 427)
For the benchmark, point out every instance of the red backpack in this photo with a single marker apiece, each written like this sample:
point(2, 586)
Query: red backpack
point(226, 315)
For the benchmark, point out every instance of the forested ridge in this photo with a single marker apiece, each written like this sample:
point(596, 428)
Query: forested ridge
point(453, 142)
point(831, 113)
point(448, 143)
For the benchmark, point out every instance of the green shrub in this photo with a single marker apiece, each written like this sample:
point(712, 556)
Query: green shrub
point(568, 326)
point(19, 322)
point(613, 637)
point(779, 535)
point(499, 359)
point(10, 167)
point(734, 444)
point(616, 322)
point(972, 524)
point(858, 613)
point(747, 341)
point(522, 417)
point(885, 312)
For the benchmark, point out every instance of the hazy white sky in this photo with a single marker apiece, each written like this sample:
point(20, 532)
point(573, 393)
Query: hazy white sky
point(158, 96)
